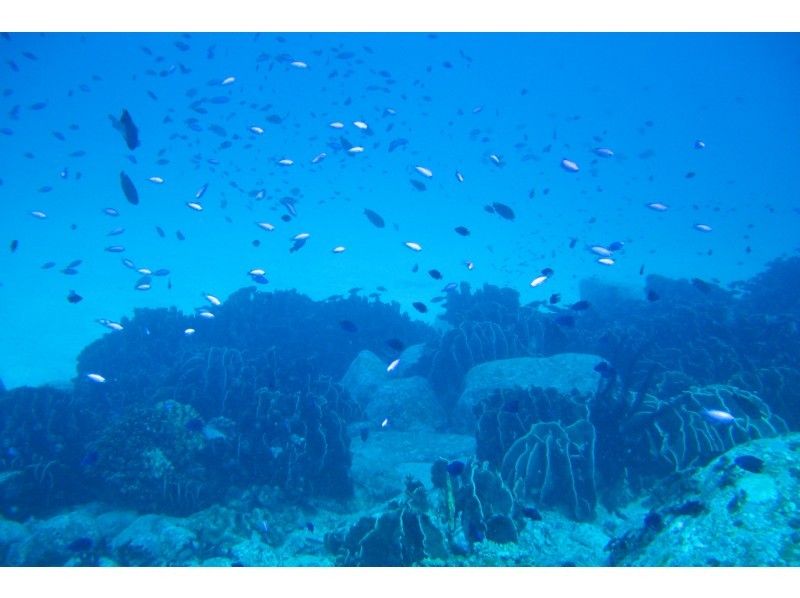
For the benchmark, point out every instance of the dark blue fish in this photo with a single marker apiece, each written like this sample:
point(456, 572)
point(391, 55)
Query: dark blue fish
point(420, 307)
point(259, 278)
point(456, 468)
point(749, 463)
point(364, 433)
point(374, 218)
point(531, 513)
point(14, 245)
point(435, 274)
point(297, 245)
point(548, 272)
point(69, 271)
point(652, 295)
point(128, 189)
point(73, 297)
point(604, 369)
point(418, 185)
point(462, 230)
point(396, 344)
point(616, 246)
point(555, 298)
point(127, 129)
point(581, 305)
point(346, 145)
point(503, 210)
point(48, 265)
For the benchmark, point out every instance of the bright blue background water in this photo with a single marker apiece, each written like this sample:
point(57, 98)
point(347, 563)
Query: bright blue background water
point(738, 93)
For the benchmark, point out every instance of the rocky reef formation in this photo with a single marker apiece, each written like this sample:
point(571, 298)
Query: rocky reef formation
point(740, 510)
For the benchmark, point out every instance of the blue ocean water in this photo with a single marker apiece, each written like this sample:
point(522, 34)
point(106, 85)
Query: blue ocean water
point(679, 153)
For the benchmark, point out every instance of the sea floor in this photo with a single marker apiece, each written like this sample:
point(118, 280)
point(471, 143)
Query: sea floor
point(737, 518)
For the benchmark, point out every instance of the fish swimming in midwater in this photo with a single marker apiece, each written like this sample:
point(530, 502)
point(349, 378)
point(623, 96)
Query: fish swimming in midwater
point(374, 218)
point(127, 129)
point(420, 307)
point(503, 210)
point(435, 274)
point(297, 244)
point(128, 189)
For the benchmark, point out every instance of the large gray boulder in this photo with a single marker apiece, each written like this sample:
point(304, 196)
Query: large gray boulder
point(408, 404)
point(746, 513)
point(565, 372)
point(365, 374)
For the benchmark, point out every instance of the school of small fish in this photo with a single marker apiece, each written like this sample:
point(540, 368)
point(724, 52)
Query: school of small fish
point(346, 137)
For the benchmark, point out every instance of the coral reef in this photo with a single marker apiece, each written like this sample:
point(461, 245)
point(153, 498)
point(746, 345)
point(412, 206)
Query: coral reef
point(152, 460)
point(729, 516)
point(564, 373)
point(403, 534)
point(554, 466)
point(43, 432)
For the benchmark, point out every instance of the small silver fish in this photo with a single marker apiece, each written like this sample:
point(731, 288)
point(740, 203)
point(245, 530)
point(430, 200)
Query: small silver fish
point(538, 281)
point(719, 416)
point(212, 299)
point(569, 165)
